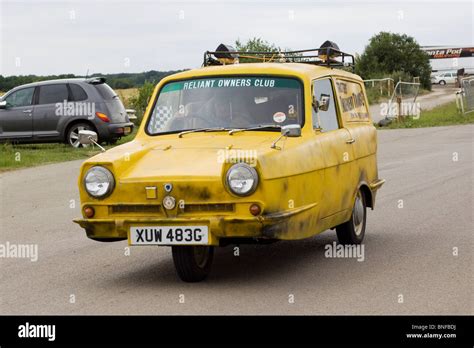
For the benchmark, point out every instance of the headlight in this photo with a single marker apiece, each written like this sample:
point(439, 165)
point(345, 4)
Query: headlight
point(99, 182)
point(242, 179)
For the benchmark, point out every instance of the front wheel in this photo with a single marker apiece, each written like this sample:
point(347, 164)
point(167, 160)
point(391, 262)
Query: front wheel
point(72, 136)
point(353, 231)
point(193, 263)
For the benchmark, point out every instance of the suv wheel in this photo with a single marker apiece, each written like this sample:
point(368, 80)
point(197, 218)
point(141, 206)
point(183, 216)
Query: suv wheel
point(442, 82)
point(72, 136)
point(193, 263)
point(353, 231)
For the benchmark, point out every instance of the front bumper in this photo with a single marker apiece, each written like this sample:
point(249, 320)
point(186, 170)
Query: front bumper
point(289, 224)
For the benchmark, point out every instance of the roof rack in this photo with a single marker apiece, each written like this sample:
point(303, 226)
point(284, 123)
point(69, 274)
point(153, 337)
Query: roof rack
point(327, 55)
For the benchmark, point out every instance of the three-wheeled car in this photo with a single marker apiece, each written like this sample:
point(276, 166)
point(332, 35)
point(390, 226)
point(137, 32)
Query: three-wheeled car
point(279, 148)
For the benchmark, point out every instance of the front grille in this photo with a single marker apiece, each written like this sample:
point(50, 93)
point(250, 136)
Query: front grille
point(155, 209)
point(222, 207)
point(135, 208)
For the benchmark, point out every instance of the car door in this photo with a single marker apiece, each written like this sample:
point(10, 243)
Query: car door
point(336, 145)
point(16, 119)
point(452, 78)
point(354, 114)
point(50, 107)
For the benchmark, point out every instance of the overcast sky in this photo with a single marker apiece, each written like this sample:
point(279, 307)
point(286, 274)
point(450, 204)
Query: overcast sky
point(56, 37)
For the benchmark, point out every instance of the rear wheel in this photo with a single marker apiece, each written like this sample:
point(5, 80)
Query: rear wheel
point(72, 136)
point(442, 82)
point(193, 263)
point(353, 231)
point(112, 141)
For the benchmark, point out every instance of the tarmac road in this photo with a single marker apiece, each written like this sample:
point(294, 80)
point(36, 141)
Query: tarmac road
point(408, 251)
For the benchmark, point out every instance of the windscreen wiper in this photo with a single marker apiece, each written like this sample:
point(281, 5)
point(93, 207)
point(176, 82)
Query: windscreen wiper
point(261, 126)
point(212, 129)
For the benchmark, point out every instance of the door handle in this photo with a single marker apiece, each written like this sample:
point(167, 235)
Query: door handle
point(27, 111)
point(350, 141)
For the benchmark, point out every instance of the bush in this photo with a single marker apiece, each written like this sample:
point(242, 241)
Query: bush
point(394, 54)
point(140, 102)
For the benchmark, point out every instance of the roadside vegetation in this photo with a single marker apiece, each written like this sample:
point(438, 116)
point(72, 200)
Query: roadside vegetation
point(393, 55)
point(116, 81)
point(444, 115)
point(15, 156)
point(140, 100)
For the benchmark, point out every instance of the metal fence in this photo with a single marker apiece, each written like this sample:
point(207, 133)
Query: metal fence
point(465, 97)
point(403, 100)
point(382, 86)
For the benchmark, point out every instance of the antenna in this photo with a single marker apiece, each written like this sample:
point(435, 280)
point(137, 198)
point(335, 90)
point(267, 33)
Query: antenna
point(87, 73)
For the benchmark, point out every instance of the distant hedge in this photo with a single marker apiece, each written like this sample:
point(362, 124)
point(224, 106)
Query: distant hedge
point(119, 81)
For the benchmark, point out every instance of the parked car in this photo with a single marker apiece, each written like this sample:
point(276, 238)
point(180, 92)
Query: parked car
point(238, 153)
point(56, 110)
point(445, 78)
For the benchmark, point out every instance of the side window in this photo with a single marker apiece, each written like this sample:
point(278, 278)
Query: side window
point(352, 102)
point(22, 97)
point(78, 92)
point(325, 119)
point(52, 94)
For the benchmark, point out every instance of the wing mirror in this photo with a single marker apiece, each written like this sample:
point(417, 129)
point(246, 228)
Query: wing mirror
point(322, 104)
point(290, 131)
point(3, 104)
point(88, 137)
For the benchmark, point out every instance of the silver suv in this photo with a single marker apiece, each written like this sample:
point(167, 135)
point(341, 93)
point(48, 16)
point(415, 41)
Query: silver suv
point(56, 110)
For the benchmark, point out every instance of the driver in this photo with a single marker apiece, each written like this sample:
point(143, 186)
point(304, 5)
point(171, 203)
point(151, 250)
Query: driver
point(221, 111)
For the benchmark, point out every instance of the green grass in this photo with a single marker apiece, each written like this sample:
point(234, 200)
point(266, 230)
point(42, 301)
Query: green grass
point(30, 155)
point(444, 115)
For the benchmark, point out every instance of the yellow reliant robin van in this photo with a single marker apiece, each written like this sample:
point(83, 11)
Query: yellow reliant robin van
point(279, 149)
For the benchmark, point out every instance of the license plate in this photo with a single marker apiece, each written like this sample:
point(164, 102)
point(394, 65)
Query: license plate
point(127, 130)
point(169, 235)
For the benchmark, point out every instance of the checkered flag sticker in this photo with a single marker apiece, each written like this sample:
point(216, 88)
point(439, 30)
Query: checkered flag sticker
point(160, 118)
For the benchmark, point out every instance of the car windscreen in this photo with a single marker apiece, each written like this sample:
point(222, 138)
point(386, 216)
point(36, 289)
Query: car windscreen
point(227, 102)
point(105, 91)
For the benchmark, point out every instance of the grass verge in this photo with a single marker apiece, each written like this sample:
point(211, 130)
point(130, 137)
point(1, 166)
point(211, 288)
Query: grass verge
point(444, 115)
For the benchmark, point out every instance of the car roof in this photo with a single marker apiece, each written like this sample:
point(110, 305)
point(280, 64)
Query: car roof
point(51, 82)
point(302, 70)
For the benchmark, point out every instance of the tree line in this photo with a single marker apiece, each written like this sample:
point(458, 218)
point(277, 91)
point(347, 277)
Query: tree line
point(116, 81)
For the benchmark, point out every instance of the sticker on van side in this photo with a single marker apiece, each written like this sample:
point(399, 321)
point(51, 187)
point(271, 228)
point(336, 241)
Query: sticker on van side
point(352, 101)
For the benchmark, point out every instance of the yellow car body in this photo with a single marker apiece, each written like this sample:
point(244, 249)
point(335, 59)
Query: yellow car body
point(307, 184)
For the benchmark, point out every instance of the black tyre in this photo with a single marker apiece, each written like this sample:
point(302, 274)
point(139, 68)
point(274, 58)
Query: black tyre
point(72, 136)
point(112, 141)
point(442, 82)
point(353, 231)
point(193, 263)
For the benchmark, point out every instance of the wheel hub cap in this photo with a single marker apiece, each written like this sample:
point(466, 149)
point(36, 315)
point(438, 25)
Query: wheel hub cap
point(358, 214)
